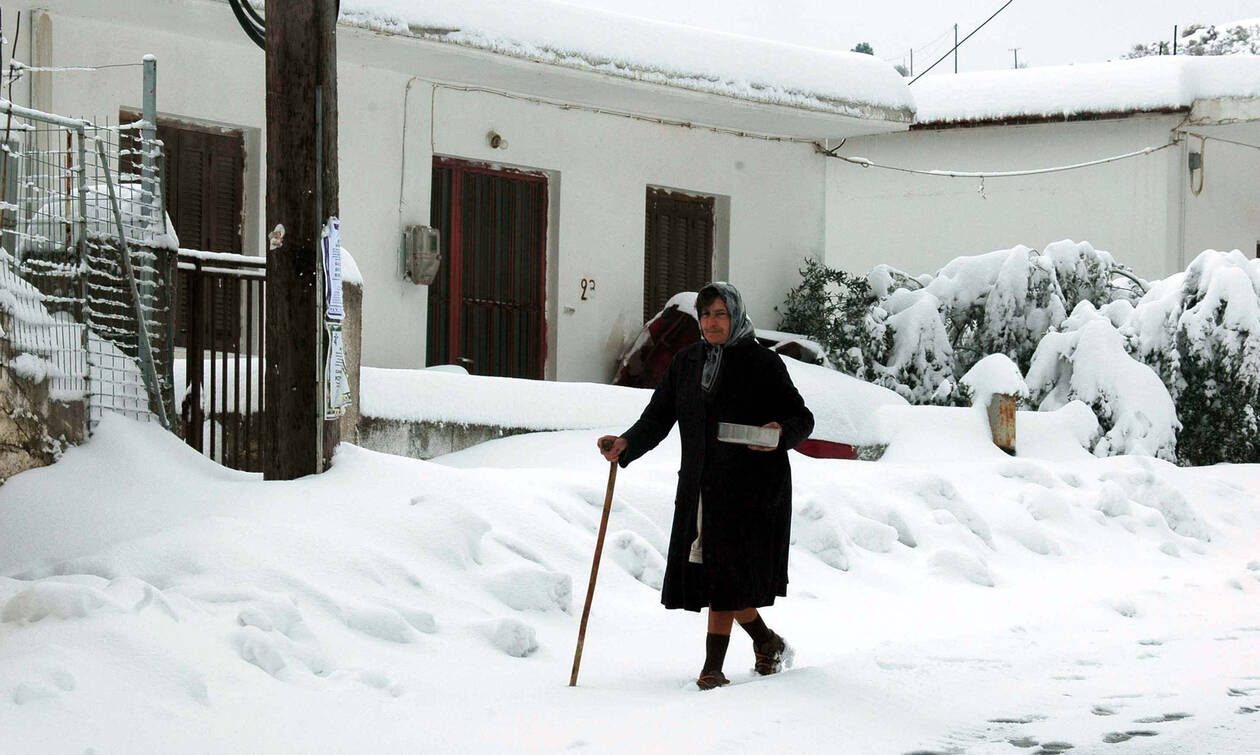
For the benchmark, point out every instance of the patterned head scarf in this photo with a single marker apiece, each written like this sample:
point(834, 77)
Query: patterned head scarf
point(741, 329)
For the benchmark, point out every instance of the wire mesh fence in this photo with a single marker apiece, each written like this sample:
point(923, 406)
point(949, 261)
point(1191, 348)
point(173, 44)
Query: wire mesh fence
point(84, 300)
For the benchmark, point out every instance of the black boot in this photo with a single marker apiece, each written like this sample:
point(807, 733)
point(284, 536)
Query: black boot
point(714, 655)
point(771, 652)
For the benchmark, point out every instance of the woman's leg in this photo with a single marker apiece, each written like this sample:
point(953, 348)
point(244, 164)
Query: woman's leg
point(720, 622)
point(715, 644)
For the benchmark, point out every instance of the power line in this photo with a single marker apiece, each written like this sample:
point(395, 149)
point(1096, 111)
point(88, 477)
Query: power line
point(865, 163)
point(964, 39)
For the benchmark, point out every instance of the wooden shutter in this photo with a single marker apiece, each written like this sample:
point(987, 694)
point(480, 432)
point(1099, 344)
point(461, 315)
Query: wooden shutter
point(678, 246)
point(203, 178)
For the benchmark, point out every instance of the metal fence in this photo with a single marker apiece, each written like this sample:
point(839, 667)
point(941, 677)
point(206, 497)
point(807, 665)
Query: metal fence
point(222, 324)
point(86, 261)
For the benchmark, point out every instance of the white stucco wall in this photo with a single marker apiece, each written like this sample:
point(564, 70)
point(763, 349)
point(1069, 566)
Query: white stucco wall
point(918, 223)
point(601, 168)
point(1225, 214)
point(770, 194)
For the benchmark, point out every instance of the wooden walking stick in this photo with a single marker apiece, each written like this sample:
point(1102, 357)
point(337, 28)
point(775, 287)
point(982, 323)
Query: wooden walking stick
point(599, 548)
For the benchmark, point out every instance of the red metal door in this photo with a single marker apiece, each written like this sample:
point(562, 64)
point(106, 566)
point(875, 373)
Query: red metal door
point(486, 309)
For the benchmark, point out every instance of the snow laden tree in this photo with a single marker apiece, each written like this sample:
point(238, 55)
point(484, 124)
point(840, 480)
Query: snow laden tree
point(1085, 359)
point(1200, 331)
point(838, 311)
point(918, 336)
point(1206, 39)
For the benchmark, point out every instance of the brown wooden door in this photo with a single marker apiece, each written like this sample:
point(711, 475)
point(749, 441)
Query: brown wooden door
point(486, 308)
point(677, 246)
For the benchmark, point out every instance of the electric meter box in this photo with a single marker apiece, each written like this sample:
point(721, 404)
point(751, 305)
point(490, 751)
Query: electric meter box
point(421, 254)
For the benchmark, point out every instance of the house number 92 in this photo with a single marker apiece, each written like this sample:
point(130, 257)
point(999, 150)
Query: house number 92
point(588, 289)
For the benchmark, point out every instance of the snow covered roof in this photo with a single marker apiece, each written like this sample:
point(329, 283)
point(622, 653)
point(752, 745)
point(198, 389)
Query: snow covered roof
point(744, 83)
point(1060, 92)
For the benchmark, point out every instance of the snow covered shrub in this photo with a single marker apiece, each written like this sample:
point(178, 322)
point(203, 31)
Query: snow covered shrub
point(920, 365)
point(838, 311)
point(1085, 359)
point(1200, 330)
point(998, 303)
point(1088, 274)
point(918, 336)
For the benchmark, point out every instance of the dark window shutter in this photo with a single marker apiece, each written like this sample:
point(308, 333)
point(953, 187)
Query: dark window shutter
point(678, 246)
point(203, 181)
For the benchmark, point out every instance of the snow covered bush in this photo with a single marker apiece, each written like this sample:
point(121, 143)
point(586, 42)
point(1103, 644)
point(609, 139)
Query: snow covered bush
point(838, 311)
point(1200, 330)
point(1085, 359)
point(918, 336)
point(1171, 368)
point(1206, 39)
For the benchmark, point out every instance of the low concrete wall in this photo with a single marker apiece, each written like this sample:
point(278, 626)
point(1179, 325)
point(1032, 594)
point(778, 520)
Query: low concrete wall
point(425, 440)
point(352, 341)
point(34, 429)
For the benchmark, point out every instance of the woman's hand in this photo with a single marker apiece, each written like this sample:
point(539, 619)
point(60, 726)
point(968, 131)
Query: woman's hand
point(611, 446)
point(776, 426)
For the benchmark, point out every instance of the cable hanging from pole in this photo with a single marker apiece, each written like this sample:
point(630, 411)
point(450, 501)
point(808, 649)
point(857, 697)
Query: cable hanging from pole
point(961, 43)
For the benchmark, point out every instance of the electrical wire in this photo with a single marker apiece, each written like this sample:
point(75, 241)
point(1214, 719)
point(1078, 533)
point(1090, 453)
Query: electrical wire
point(964, 39)
point(865, 163)
point(1205, 137)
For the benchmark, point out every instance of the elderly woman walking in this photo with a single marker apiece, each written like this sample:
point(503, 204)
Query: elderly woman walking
point(728, 548)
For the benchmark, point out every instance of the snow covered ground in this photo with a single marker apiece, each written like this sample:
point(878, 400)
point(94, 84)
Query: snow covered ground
point(948, 602)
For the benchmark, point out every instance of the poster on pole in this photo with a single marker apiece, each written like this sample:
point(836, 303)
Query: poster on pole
point(331, 243)
point(336, 381)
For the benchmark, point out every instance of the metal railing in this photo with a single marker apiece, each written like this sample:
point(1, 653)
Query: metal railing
point(222, 368)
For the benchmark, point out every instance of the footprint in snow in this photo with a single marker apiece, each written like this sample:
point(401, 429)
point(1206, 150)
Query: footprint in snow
point(1050, 748)
point(1245, 709)
point(1023, 742)
point(513, 637)
point(1151, 642)
point(1028, 719)
point(1102, 710)
point(531, 588)
point(637, 556)
point(1165, 718)
point(1116, 737)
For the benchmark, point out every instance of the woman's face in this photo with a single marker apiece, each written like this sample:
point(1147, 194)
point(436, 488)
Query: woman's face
point(715, 322)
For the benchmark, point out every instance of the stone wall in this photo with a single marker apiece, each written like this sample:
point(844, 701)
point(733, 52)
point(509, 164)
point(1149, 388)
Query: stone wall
point(34, 429)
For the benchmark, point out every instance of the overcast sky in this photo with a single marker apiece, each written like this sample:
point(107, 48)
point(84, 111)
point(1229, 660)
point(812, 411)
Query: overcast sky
point(1046, 32)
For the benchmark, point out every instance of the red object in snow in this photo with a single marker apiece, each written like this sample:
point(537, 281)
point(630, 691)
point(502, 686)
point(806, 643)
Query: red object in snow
point(826, 449)
point(667, 334)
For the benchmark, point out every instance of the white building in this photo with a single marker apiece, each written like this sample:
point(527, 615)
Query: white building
point(624, 148)
point(1150, 210)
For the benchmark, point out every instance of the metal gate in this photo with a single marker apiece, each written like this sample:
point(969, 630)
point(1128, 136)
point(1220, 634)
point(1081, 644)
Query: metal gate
point(223, 366)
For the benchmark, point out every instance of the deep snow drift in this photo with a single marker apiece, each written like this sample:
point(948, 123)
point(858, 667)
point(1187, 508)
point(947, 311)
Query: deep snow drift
point(155, 602)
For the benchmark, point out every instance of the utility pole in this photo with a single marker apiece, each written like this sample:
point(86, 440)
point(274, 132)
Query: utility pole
point(1016, 51)
point(1174, 39)
point(302, 184)
point(955, 48)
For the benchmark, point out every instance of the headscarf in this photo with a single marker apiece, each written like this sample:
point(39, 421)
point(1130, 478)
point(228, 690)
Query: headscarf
point(741, 329)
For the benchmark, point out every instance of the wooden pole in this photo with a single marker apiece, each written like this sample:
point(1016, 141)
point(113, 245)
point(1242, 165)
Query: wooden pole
point(590, 588)
point(302, 187)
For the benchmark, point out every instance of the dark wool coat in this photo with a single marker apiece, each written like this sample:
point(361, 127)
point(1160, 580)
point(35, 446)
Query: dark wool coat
point(747, 510)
